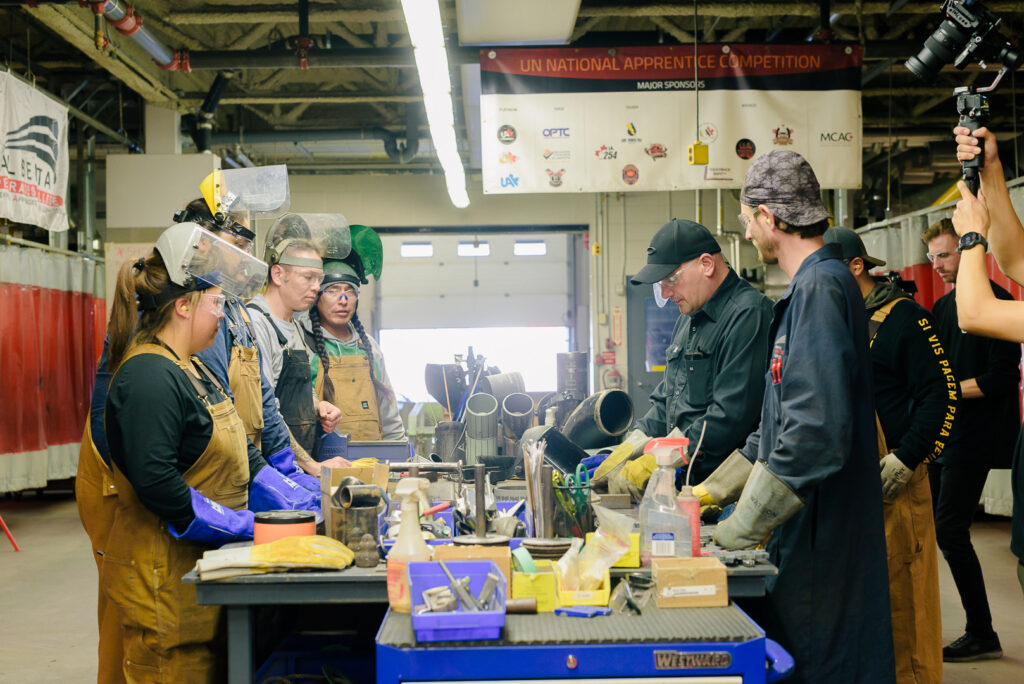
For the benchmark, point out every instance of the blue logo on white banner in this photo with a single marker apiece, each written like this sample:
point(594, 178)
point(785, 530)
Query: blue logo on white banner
point(555, 132)
point(510, 181)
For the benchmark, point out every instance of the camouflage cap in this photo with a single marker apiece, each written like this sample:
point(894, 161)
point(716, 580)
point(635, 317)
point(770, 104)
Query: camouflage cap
point(784, 182)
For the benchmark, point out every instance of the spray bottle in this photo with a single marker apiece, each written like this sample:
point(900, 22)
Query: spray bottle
point(409, 546)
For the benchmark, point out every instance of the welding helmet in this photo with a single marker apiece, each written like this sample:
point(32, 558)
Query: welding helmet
point(247, 194)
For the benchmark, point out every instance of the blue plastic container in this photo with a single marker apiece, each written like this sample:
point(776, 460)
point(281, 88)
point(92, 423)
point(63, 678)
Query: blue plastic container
point(458, 625)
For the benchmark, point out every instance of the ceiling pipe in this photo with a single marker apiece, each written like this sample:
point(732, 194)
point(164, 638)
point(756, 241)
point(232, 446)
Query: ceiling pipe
point(402, 153)
point(285, 58)
point(128, 22)
point(201, 124)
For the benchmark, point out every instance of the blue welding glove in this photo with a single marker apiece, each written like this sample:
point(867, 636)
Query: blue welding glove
point(272, 491)
point(214, 524)
point(592, 462)
point(283, 462)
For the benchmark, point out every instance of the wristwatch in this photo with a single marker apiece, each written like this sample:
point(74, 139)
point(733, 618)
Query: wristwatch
point(969, 240)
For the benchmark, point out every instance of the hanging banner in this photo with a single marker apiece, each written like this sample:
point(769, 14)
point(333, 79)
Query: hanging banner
point(621, 119)
point(33, 156)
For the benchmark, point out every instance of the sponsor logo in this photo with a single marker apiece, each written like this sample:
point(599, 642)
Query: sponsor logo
point(783, 135)
point(836, 138)
point(656, 151)
point(555, 132)
point(366, 405)
point(507, 158)
point(630, 174)
point(631, 130)
point(691, 660)
point(510, 181)
point(745, 148)
point(605, 152)
point(555, 177)
point(39, 137)
point(708, 132)
point(631, 134)
point(556, 155)
point(506, 135)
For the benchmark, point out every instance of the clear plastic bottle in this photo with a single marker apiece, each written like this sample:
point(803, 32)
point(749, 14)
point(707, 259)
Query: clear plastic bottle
point(665, 527)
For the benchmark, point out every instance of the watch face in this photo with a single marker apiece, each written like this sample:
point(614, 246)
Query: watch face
point(970, 240)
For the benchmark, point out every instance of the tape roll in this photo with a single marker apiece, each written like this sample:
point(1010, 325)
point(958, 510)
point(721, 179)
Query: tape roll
point(523, 561)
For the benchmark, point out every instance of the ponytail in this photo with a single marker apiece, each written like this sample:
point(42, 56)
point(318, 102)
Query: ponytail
point(145, 276)
point(321, 351)
point(364, 344)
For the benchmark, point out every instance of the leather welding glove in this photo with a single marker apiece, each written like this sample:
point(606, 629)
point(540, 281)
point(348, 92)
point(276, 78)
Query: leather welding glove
point(766, 503)
point(283, 462)
point(632, 478)
point(214, 524)
point(311, 550)
point(272, 491)
point(723, 486)
point(631, 447)
point(895, 475)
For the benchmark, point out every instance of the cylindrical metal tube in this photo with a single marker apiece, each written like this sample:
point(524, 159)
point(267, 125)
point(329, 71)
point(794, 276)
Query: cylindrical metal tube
point(571, 373)
point(481, 427)
point(448, 441)
point(480, 490)
point(600, 419)
point(516, 415)
point(360, 495)
point(502, 384)
point(424, 467)
point(547, 493)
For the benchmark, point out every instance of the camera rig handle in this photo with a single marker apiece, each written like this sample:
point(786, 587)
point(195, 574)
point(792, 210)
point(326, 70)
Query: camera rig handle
point(972, 104)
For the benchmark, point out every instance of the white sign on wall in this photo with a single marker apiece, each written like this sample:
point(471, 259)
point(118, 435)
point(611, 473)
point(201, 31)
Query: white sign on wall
point(33, 156)
point(606, 120)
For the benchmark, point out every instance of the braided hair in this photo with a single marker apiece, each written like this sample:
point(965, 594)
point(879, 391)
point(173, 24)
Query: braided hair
point(364, 344)
point(321, 350)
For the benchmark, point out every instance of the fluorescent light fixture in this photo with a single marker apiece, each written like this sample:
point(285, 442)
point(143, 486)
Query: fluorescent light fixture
point(468, 249)
point(529, 248)
point(423, 18)
point(417, 250)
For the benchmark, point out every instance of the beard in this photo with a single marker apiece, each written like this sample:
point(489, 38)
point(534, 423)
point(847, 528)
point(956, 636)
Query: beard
point(766, 253)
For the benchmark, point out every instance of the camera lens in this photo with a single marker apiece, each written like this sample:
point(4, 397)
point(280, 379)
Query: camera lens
point(939, 50)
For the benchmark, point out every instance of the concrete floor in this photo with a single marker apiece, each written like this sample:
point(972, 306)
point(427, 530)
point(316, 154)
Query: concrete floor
point(48, 598)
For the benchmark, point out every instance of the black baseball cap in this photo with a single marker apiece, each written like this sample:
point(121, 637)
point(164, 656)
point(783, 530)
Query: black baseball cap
point(675, 243)
point(850, 244)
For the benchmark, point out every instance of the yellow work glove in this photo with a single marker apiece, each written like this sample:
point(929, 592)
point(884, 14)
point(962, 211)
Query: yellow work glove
point(633, 477)
point(365, 462)
point(701, 492)
point(316, 551)
point(631, 446)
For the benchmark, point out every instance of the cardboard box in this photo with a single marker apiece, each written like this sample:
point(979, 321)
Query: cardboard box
point(689, 582)
point(501, 555)
point(330, 478)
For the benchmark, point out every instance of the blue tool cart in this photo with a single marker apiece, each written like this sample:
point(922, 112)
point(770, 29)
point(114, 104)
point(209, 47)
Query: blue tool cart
point(699, 645)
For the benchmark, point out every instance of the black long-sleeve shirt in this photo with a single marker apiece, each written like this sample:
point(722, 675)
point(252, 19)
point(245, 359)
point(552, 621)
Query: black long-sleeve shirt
point(916, 392)
point(987, 427)
point(157, 428)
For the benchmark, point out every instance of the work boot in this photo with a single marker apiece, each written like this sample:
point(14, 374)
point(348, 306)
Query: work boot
point(970, 647)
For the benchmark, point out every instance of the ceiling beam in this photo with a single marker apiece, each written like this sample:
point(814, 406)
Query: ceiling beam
point(333, 98)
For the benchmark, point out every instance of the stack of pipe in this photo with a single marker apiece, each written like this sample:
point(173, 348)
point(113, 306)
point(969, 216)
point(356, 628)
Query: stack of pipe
point(481, 427)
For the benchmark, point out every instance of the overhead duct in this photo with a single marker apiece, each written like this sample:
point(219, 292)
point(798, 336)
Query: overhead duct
point(201, 124)
point(402, 153)
point(128, 22)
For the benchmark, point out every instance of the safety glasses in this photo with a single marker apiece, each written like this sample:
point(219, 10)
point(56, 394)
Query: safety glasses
point(340, 291)
point(217, 302)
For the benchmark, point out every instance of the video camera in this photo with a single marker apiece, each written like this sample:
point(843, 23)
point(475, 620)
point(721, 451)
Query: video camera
point(968, 33)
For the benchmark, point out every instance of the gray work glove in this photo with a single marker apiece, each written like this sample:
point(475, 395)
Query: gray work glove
point(895, 475)
point(766, 503)
point(723, 486)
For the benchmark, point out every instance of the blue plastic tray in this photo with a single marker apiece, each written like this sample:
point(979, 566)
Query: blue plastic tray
point(458, 625)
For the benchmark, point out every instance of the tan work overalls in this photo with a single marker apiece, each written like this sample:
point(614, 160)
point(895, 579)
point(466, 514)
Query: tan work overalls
point(354, 395)
point(913, 570)
point(167, 636)
point(244, 378)
point(96, 495)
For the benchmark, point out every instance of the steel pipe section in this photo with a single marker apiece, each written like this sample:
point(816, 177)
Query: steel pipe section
point(481, 427)
point(600, 419)
point(516, 415)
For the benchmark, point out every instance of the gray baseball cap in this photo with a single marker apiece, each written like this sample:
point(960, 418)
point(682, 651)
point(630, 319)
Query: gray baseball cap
point(675, 243)
point(850, 244)
point(784, 182)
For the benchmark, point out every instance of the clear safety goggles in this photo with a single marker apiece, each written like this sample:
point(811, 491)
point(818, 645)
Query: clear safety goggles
point(340, 291)
point(212, 261)
point(217, 302)
point(659, 295)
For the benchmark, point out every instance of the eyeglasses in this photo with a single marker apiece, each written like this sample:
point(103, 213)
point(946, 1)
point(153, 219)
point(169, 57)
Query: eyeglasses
point(308, 275)
point(339, 291)
point(745, 220)
point(671, 280)
point(218, 302)
point(932, 256)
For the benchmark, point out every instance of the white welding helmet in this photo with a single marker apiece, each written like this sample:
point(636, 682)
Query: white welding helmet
point(197, 259)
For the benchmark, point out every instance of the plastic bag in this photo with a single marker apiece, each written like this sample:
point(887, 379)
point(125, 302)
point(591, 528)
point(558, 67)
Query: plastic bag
point(568, 566)
point(606, 547)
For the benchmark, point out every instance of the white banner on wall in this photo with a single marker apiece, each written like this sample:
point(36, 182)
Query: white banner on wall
point(33, 156)
point(606, 120)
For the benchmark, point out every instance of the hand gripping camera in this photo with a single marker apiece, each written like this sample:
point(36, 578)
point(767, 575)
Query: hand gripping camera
point(969, 32)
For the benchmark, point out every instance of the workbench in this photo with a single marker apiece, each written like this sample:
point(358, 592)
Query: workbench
point(353, 585)
point(692, 645)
